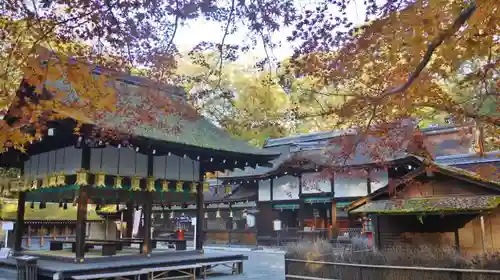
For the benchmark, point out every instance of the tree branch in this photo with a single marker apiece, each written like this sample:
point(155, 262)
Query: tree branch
point(459, 22)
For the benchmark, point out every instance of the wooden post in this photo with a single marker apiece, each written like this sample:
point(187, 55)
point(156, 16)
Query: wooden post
point(333, 214)
point(230, 224)
point(81, 210)
point(301, 203)
point(333, 209)
point(81, 227)
point(42, 234)
point(200, 210)
point(129, 219)
point(106, 227)
point(457, 241)
point(483, 234)
point(18, 237)
point(54, 230)
point(28, 242)
point(147, 210)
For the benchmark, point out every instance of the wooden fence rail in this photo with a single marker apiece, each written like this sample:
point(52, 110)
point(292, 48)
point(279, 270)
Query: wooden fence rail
point(296, 269)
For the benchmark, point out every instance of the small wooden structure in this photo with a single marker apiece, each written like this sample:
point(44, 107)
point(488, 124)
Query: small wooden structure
point(435, 205)
point(153, 165)
point(229, 215)
point(51, 222)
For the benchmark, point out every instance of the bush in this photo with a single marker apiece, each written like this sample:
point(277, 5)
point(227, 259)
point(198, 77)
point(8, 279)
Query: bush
point(408, 256)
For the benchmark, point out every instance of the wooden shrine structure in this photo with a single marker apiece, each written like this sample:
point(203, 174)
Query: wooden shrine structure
point(435, 205)
point(152, 165)
point(296, 192)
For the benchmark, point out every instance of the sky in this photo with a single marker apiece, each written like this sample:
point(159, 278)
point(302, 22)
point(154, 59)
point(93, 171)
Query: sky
point(191, 34)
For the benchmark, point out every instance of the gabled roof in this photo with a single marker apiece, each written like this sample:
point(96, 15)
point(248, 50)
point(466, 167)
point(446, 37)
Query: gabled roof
point(181, 125)
point(424, 205)
point(317, 149)
point(472, 158)
point(458, 173)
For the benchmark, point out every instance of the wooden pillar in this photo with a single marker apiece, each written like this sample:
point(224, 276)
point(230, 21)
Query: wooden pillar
point(81, 210)
point(333, 214)
point(230, 224)
point(333, 209)
point(18, 237)
point(148, 209)
point(200, 210)
point(129, 219)
point(483, 234)
point(28, 242)
point(81, 219)
point(301, 203)
point(376, 232)
point(54, 232)
point(457, 241)
point(106, 227)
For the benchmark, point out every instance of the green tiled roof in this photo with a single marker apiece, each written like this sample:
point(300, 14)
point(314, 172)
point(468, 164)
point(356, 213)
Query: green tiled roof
point(181, 125)
point(430, 205)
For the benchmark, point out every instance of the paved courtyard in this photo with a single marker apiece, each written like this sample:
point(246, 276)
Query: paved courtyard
point(260, 264)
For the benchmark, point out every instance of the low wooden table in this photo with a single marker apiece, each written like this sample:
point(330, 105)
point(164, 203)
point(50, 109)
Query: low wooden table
point(180, 245)
point(108, 248)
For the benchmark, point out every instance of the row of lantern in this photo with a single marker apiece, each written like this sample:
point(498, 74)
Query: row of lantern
point(59, 180)
point(217, 214)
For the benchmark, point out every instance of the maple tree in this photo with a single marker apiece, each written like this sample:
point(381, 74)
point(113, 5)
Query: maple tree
point(398, 64)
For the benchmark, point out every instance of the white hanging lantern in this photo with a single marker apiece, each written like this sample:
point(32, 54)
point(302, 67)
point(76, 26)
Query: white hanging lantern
point(171, 214)
point(217, 214)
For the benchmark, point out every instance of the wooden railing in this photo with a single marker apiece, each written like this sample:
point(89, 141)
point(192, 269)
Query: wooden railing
point(297, 269)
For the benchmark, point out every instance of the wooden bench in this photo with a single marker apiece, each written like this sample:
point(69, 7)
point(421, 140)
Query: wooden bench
point(108, 248)
point(236, 266)
point(126, 275)
point(179, 245)
point(161, 273)
point(118, 243)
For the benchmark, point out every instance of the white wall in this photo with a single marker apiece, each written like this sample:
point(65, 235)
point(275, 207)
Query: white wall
point(379, 179)
point(67, 160)
point(347, 185)
point(265, 190)
point(168, 167)
point(314, 183)
point(286, 188)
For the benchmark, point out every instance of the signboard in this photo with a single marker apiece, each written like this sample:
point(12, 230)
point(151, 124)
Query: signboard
point(250, 220)
point(7, 225)
point(193, 221)
point(277, 225)
point(4, 253)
